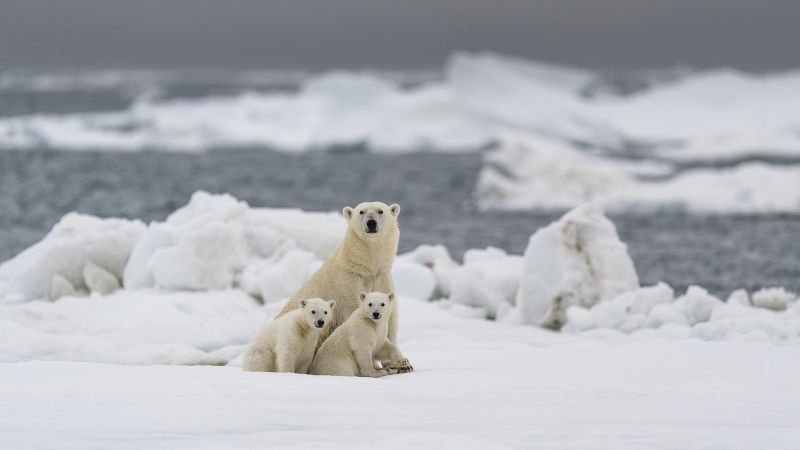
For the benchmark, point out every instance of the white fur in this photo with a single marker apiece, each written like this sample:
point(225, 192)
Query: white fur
point(288, 343)
point(362, 340)
point(361, 263)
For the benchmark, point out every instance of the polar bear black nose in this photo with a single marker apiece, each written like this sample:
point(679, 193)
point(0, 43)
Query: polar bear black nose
point(376, 315)
point(320, 323)
point(372, 226)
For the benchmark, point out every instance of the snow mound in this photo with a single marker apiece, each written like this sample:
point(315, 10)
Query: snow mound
point(437, 259)
point(80, 254)
point(219, 242)
point(776, 299)
point(131, 327)
point(488, 279)
point(578, 260)
point(654, 312)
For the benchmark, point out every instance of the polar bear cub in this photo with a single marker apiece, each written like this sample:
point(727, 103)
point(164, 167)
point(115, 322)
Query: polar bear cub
point(287, 344)
point(355, 346)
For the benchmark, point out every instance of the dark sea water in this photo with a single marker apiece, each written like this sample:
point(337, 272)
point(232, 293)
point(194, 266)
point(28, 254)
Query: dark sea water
point(721, 253)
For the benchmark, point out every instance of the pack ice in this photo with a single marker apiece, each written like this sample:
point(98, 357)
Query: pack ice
point(717, 141)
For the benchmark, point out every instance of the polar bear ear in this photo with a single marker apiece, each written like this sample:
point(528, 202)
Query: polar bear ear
point(391, 296)
point(303, 303)
point(332, 303)
point(363, 296)
point(395, 209)
point(347, 212)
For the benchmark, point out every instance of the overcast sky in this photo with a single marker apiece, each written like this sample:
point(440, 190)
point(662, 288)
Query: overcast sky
point(321, 34)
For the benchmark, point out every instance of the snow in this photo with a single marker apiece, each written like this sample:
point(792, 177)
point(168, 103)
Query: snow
point(488, 279)
point(216, 239)
point(67, 259)
point(477, 384)
point(578, 260)
point(653, 311)
point(158, 362)
point(131, 327)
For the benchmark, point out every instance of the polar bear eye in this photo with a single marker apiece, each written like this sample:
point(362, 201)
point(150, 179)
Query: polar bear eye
point(380, 211)
point(383, 304)
point(326, 313)
point(313, 312)
point(361, 212)
point(370, 304)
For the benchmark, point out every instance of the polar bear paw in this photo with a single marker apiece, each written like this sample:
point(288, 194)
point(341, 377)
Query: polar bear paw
point(402, 365)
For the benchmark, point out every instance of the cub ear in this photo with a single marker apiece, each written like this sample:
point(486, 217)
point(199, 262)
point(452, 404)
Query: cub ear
point(395, 209)
point(391, 296)
point(363, 296)
point(332, 303)
point(347, 212)
point(303, 303)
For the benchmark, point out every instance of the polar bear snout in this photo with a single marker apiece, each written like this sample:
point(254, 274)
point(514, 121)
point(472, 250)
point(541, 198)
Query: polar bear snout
point(376, 315)
point(372, 226)
point(320, 323)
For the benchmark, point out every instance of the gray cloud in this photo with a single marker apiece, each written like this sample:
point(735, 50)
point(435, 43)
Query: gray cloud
point(319, 34)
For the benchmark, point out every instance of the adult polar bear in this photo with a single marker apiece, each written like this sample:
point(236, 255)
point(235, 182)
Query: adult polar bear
point(361, 263)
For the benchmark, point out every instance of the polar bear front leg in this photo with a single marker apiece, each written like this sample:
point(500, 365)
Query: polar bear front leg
point(286, 362)
point(393, 319)
point(391, 357)
point(366, 366)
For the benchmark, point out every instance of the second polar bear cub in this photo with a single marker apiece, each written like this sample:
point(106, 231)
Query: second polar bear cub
point(287, 344)
point(355, 346)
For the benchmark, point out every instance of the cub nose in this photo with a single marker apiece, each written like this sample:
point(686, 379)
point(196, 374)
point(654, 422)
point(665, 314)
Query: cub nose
point(376, 315)
point(320, 323)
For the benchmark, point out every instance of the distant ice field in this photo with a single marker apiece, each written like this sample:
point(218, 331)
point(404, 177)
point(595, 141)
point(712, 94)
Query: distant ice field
point(717, 141)
point(719, 252)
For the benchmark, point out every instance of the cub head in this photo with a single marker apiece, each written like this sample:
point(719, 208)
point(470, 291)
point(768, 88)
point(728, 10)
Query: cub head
point(317, 311)
point(376, 304)
point(372, 220)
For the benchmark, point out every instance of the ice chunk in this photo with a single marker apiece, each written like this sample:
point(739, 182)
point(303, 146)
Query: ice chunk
point(739, 297)
point(578, 260)
point(437, 258)
point(413, 280)
point(488, 279)
point(99, 280)
point(206, 258)
point(776, 299)
point(216, 241)
point(278, 277)
point(75, 241)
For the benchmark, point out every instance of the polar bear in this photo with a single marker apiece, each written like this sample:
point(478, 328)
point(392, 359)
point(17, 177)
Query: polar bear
point(354, 347)
point(361, 263)
point(288, 343)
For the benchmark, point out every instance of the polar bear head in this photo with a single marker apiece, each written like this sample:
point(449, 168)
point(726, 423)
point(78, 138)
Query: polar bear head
point(317, 311)
point(376, 304)
point(372, 220)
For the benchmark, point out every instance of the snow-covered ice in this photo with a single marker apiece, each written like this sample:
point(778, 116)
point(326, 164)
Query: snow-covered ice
point(632, 367)
point(578, 260)
point(477, 384)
